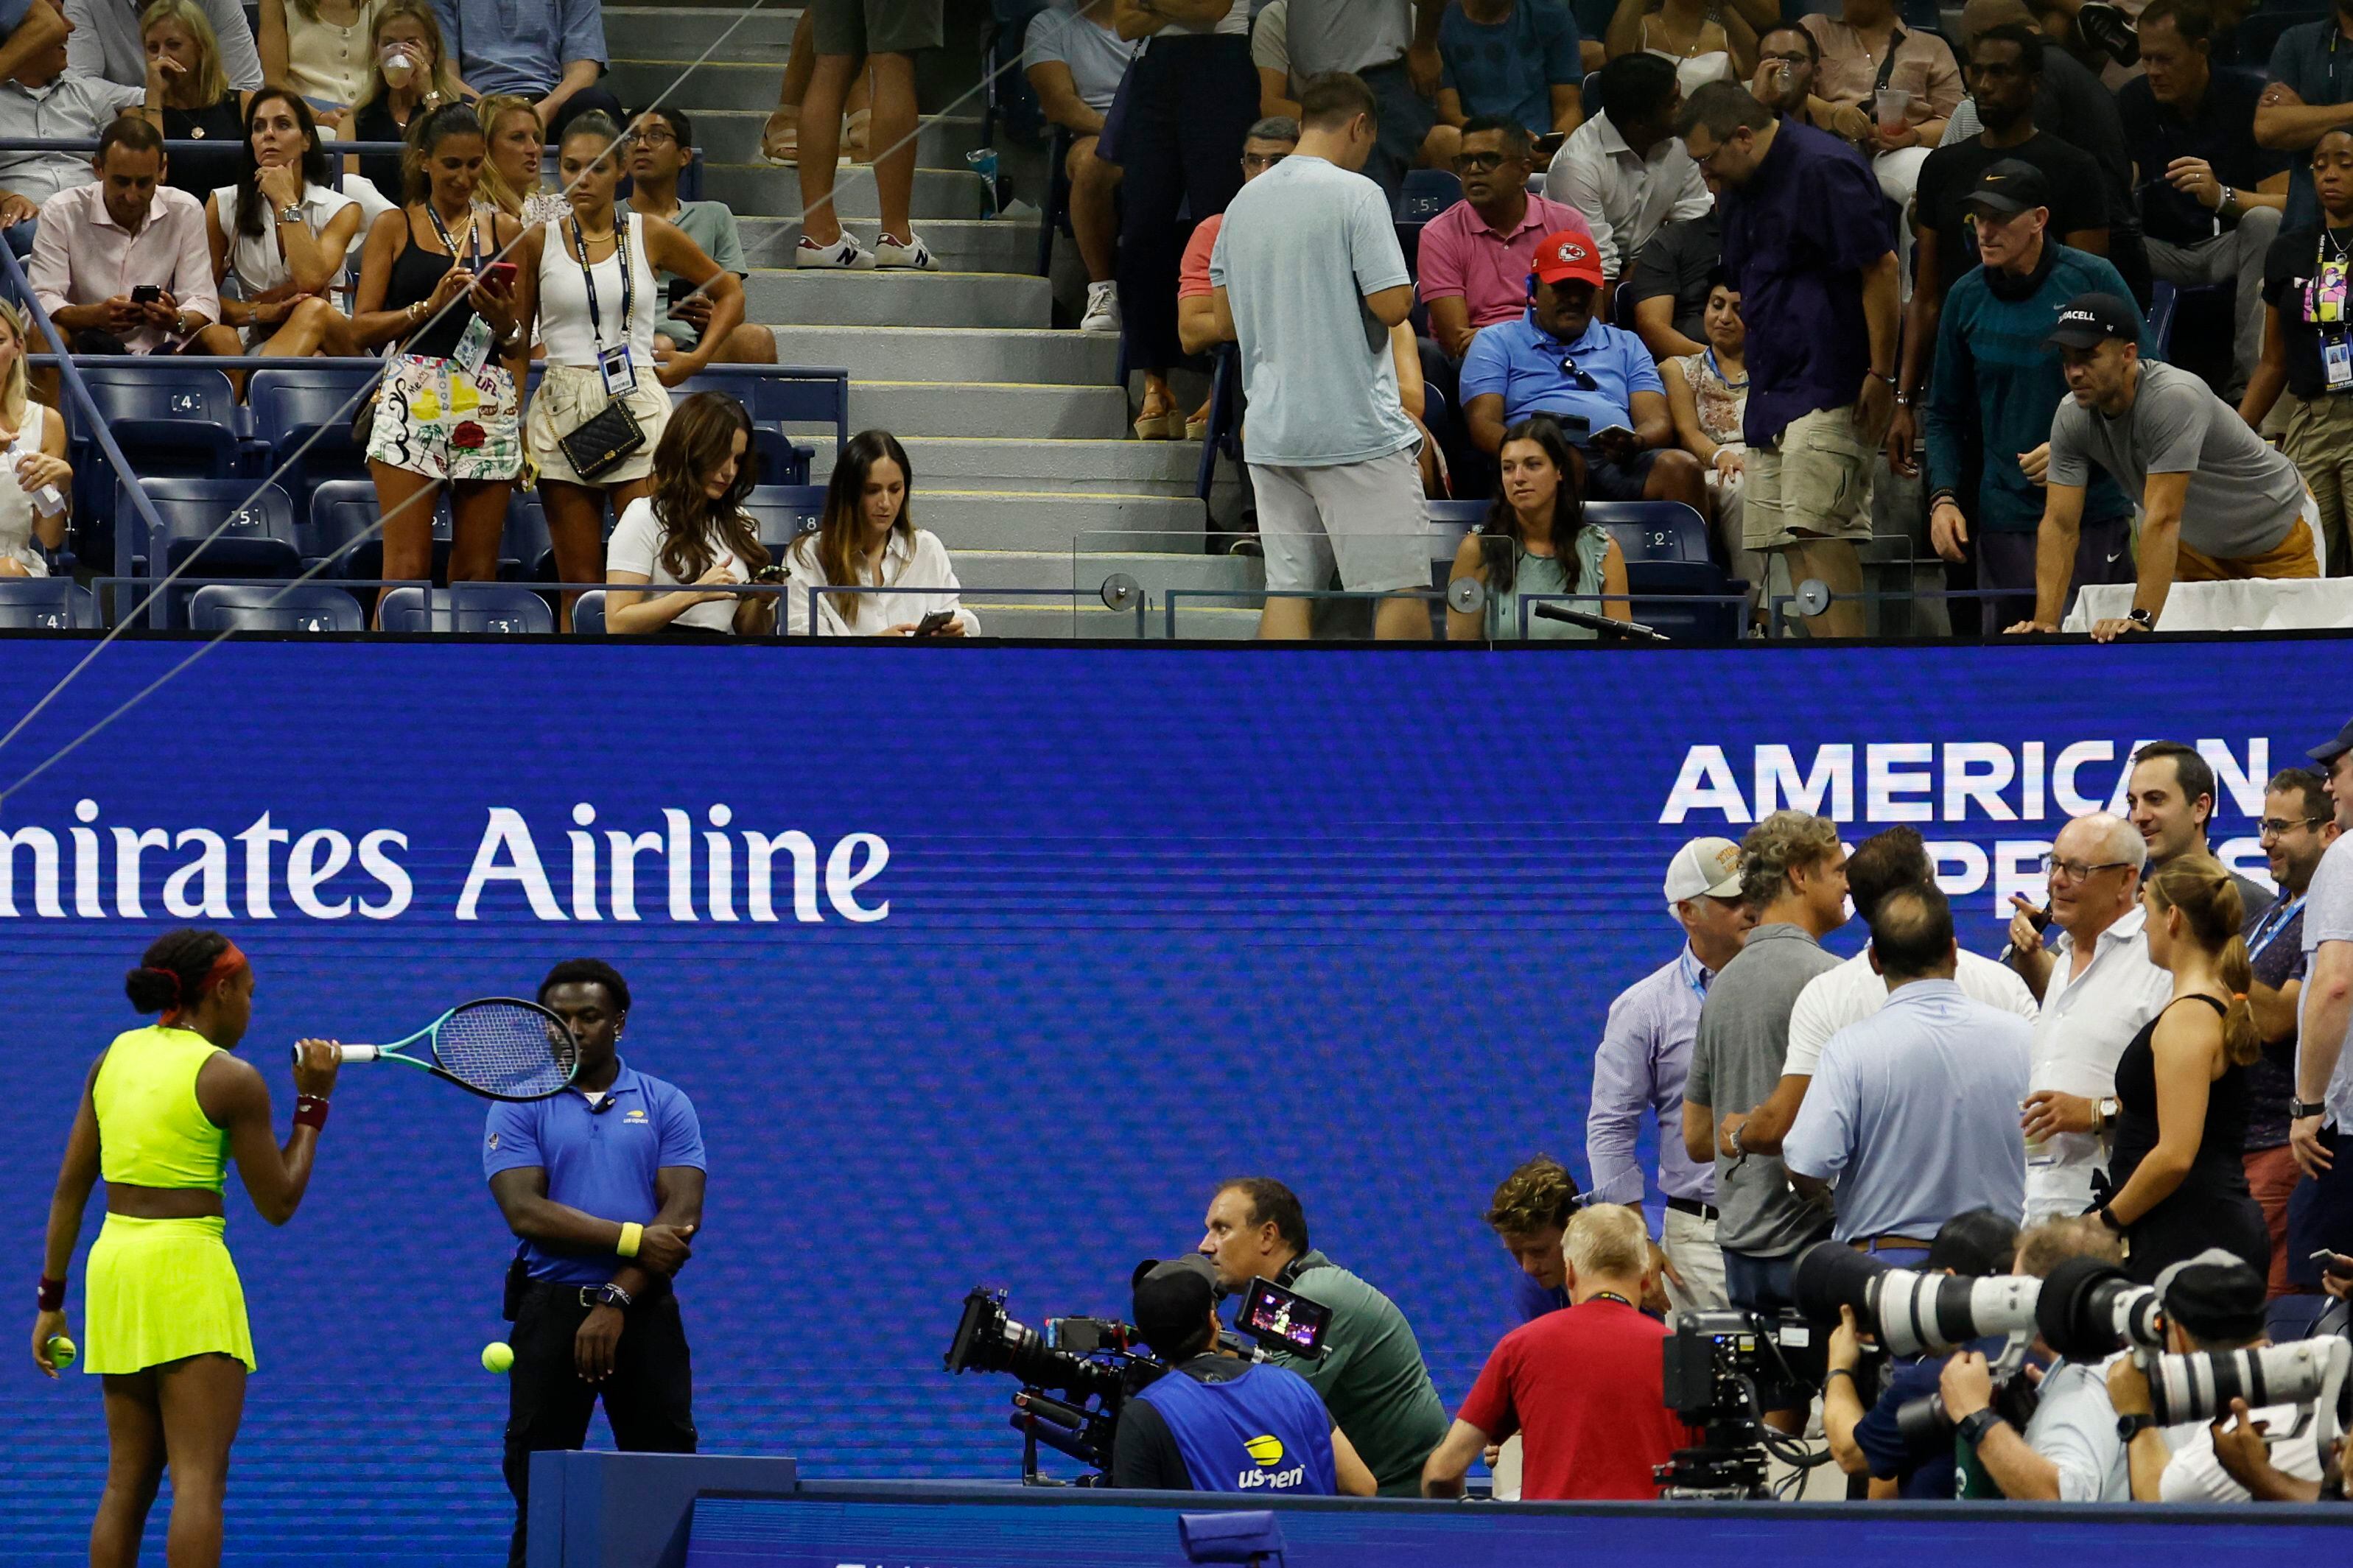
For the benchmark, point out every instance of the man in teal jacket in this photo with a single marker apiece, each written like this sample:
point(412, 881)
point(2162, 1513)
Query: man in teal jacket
point(1995, 388)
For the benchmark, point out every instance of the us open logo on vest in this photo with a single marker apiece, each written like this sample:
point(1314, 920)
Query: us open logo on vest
point(1266, 1450)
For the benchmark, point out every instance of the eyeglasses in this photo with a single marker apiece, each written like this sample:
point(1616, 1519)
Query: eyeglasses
point(2076, 870)
point(2274, 827)
point(652, 136)
point(1479, 162)
point(1259, 163)
point(1581, 379)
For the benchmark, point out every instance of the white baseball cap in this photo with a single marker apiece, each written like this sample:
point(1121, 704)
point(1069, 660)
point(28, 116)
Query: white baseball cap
point(1705, 868)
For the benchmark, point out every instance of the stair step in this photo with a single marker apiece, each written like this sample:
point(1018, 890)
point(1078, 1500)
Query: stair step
point(961, 245)
point(717, 85)
point(954, 354)
point(730, 135)
point(988, 408)
point(1025, 463)
point(683, 32)
point(1056, 620)
point(762, 190)
point(1155, 572)
point(898, 298)
point(1084, 525)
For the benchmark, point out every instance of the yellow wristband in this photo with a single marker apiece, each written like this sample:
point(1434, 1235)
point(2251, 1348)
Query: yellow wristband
point(631, 1234)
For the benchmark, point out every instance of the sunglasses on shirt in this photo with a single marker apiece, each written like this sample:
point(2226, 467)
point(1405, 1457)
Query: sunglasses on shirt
point(1581, 379)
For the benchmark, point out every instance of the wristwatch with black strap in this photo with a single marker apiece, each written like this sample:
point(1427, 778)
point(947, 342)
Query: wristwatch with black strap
point(2131, 1427)
point(606, 1295)
point(2104, 1112)
point(2297, 1110)
point(1973, 1429)
point(2145, 619)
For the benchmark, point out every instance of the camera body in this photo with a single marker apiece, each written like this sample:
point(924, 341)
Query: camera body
point(1723, 1370)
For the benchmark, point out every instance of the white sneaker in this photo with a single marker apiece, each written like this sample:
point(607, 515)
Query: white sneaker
point(914, 256)
point(844, 254)
point(1103, 308)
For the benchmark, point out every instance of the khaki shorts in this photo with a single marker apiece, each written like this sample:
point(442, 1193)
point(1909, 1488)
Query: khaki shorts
point(1368, 519)
point(1813, 483)
point(876, 27)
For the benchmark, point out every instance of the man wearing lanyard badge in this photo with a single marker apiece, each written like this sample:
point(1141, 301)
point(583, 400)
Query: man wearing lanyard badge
point(2297, 828)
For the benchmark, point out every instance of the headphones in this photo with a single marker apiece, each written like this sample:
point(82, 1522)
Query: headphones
point(1532, 290)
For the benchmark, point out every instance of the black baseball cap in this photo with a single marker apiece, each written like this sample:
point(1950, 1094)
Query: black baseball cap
point(2217, 1296)
point(2010, 185)
point(2336, 748)
point(2091, 319)
point(1173, 1299)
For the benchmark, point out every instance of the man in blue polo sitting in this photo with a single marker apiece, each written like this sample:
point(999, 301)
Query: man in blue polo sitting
point(1596, 379)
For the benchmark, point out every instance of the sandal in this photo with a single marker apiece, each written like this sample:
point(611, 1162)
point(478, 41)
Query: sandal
point(1167, 426)
point(1197, 424)
point(780, 138)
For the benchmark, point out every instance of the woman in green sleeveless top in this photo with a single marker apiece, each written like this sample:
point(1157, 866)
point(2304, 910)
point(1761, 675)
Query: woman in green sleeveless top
point(1535, 541)
point(162, 1112)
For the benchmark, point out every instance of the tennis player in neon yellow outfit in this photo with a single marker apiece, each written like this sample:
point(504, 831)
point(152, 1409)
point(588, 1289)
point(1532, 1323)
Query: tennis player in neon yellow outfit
point(162, 1111)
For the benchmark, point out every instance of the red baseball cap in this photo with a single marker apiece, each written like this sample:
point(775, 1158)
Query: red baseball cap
point(1567, 255)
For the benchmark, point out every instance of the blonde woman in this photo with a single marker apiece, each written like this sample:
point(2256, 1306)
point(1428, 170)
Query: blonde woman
point(188, 95)
point(511, 179)
point(409, 74)
point(36, 482)
point(321, 49)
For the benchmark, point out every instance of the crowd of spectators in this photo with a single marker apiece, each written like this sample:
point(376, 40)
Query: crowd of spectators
point(2149, 1077)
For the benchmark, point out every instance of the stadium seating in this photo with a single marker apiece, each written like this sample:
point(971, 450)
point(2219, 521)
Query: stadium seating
point(784, 512)
point(343, 519)
point(496, 607)
point(588, 614)
point(306, 409)
point(45, 604)
point(259, 541)
point(295, 607)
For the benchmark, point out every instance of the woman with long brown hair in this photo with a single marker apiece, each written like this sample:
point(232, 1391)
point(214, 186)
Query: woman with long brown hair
point(278, 238)
point(2177, 1186)
point(1535, 541)
point(868, 540)
point(693, 534)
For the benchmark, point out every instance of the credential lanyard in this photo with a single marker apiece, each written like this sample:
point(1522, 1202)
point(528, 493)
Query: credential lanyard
point(2275, 920)
point(473, 234)
point(588, 278)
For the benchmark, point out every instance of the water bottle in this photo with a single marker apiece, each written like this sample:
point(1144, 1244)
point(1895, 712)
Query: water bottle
point(983, 163)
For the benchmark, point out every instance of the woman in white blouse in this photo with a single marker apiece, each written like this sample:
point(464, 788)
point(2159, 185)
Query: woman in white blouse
point(691, 535)
point(279, 237)
point(34, 479)
point(321, 48)
point(868, 540)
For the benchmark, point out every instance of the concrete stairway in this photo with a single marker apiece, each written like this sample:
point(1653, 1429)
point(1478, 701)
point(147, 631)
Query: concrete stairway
point(1018, 431)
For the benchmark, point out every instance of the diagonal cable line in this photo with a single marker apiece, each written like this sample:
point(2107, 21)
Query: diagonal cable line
point(124, 620)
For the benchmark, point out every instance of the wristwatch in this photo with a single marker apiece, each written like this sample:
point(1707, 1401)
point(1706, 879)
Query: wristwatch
point(2104, 1112)
point(1973, 1429)
point(2131, 1427)
point(292, 213)
point(2297, 1110)
point(607, 1295)
point(2145, 619)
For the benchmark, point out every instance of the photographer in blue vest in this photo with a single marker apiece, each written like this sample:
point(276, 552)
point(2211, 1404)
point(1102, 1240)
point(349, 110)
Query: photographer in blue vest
point(1213, 1422)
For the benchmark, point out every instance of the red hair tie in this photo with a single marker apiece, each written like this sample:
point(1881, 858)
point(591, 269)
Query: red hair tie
point(224, 967)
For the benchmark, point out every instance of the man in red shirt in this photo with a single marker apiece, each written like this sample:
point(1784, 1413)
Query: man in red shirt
point(1584, 1386)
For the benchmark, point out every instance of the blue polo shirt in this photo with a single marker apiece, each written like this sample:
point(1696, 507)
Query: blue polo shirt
point(1523, 362)
point(1510, 68)
point(598, 1162)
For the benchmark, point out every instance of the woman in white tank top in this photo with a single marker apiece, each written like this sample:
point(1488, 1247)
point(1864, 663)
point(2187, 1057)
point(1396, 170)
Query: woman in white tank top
point(35, 480)
point(590, 279)
point(1704, 40)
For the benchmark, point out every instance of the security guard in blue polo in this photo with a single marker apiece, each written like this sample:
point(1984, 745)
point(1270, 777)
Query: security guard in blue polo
point(1213, 1422)
point(604, 1184)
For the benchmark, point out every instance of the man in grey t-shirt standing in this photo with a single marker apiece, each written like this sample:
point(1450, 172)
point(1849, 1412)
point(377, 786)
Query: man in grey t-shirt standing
point(1793, 874)
point(1308, 280)
point(2217, 502)
point(1391, 46)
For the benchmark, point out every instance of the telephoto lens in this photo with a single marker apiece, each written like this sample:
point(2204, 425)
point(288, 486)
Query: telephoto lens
point(1907, 1311)
point(2089, 1310)
point(2200, 1387)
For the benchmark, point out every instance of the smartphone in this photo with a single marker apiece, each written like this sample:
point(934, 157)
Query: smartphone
point(2330, 1263)
point(680, 291)
point(146, 293)
point(499, 276)
point(933, 623)
point(2039, 918)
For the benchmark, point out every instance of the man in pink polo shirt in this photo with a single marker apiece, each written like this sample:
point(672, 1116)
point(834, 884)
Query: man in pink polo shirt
point(1476, 255)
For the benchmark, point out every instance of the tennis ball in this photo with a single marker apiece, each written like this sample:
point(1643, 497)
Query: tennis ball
point(62, 1351)
point(497, 1356)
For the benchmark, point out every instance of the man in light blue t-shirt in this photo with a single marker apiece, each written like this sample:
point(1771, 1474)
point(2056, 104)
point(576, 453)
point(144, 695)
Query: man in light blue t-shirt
point(1308, 280)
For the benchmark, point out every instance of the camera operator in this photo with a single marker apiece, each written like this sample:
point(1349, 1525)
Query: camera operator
point(2213, 1301)
point(1913, 1112)
point(1213, 1422)
point(1529, 1214)
point(2070, 1451)
point(1371, 1374)
point(1584, 1386)
point(1977, 1244)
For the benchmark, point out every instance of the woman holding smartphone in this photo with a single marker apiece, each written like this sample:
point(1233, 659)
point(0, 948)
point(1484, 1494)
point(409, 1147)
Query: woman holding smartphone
point(691, 535)
point(589, 279)
point(446, 411)
point(868, 540)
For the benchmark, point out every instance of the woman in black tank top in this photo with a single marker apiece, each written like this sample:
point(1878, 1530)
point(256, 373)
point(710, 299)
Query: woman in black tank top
point(189, 98)
point(2176, 1181)
point(447, 413)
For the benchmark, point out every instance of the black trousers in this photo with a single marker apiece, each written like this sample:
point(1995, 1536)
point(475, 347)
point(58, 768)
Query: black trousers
point(1191, 104)
point(649, 1400)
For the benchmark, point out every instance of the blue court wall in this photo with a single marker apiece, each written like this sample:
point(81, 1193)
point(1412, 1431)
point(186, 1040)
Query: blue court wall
point(1071, 934)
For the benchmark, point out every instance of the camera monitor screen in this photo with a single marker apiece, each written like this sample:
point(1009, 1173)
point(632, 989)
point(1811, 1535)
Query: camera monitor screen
point(1282, 1319)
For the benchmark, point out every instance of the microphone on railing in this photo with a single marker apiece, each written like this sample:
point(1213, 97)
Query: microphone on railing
point(1635, 630)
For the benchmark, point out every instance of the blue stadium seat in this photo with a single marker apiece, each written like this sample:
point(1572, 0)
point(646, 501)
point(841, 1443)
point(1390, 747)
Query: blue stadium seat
point(1425, 195)
point(1224, 434)
point(179, 419)
point(259, 542)
point(784, 512)
point(525, 551)
point(46, 604)
point(1666, 548)
point(1449, 521)
point(787, 394)
point(296, 608)
point(466, 607)
point(1652, 530)
point(588, 614)
point(308, 408)
point(342, 511)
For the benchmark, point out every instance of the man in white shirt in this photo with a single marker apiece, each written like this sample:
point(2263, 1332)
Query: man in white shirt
point(2098, 988)
point(123, 266)
point(2213, 1301)
point(1855, 990)
point(1625, 169)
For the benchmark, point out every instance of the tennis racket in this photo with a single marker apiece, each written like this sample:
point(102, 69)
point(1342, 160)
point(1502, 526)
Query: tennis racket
point(500, 1047)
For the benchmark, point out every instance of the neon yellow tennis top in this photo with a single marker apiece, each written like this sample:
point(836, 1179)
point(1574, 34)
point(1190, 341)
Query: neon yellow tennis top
point(150, 1130)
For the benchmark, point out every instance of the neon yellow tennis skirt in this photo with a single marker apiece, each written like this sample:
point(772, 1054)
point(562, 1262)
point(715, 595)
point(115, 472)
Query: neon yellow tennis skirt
point(160, 1289)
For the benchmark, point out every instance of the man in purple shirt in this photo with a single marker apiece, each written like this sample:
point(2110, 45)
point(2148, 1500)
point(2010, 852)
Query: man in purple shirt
point(1640, 1067)
point(1808, 242)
